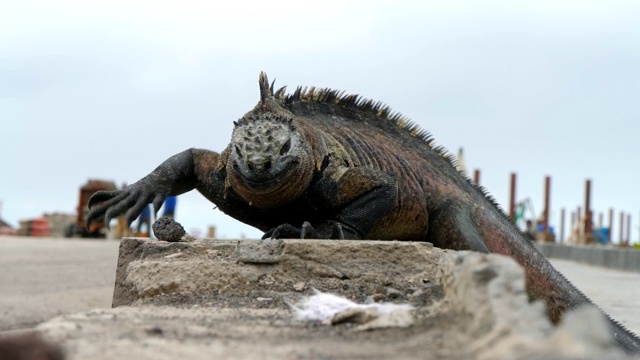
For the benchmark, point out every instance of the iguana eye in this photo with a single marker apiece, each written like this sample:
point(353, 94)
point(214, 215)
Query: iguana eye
point(238, 151)
point(285, 148)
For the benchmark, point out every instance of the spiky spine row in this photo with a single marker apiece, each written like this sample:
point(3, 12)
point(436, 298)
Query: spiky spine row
point(384, 112)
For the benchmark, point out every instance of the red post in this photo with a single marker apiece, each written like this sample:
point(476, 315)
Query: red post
point(512, 198)
point(562, 225)
point(588, 228)
point(547, 196)
point(476, 176)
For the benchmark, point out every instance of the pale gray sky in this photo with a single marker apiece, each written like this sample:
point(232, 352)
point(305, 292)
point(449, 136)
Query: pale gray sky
point(109, 89)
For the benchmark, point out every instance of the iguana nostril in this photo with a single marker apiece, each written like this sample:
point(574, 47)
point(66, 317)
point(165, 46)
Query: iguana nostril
point(258, 167)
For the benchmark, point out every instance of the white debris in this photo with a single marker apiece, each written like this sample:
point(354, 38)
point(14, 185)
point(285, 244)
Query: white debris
point(333, 309)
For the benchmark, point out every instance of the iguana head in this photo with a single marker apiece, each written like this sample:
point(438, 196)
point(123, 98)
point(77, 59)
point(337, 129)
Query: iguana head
point(270, 161)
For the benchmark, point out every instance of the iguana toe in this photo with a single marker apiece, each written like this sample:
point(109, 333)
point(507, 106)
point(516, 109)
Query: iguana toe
point(308, 232)
point(336, 232)
point(284, 231)
point(333, 230)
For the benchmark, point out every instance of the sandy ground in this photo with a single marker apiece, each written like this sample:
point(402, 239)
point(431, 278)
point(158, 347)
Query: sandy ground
point(43, 278)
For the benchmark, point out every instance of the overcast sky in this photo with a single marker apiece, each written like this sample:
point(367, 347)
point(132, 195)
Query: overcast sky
point(111, 89)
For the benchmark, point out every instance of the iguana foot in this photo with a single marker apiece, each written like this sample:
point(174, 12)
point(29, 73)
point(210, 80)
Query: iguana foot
point(306, 231)
point(106, 205)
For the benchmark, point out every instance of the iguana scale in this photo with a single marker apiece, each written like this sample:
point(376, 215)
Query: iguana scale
point(323, 164)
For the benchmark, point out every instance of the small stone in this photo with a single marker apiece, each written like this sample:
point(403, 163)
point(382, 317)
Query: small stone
point(188, 238)
point(167, 229)
point(380, 290)
point(263, 299)
point(299, 286)
point(155, 330)
point(417, 293)
point(267, 251)
point(267, 280)
point(393, 293)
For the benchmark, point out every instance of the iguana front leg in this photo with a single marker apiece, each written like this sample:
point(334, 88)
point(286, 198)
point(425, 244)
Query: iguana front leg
point(183, 172)
point(174, 176)
point(356, 198)
point(198, 169)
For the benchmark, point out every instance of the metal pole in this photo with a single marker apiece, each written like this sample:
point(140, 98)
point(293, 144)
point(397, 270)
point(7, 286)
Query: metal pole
point(610, 230)
point(579, 225)
point(579, 212)
point(547, 196)
point(621, 227)
point(562, 225)
point(600, 219)
point(628, 242)
point(512, 198)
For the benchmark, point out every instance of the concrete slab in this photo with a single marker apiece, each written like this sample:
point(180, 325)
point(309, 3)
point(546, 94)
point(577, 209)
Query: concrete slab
point(45, 277)
point(199, 300)
point(231, 273)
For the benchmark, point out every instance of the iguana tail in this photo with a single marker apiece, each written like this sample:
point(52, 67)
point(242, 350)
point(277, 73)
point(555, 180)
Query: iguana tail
point(543, 281)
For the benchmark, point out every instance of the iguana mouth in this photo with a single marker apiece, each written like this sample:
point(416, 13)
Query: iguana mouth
point(269, 180)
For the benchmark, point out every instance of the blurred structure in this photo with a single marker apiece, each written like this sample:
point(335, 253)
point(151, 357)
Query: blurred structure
point(78, 228)
point(6, 229)
point(460, 166)
point(38, 227)
point(58, 223)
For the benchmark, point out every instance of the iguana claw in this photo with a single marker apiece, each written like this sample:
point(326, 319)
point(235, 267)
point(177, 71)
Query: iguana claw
point(107, 205)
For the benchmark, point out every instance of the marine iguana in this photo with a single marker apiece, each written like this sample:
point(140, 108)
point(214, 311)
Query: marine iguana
point(320, 163)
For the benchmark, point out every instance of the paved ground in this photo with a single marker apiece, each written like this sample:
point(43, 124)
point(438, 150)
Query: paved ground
point(616, 292)
point(43, 278)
